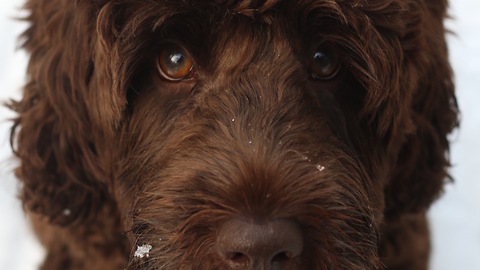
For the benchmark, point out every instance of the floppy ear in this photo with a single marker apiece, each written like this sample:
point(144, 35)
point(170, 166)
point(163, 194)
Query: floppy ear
point(56, 136)
point(410, 106)
point(420, 169)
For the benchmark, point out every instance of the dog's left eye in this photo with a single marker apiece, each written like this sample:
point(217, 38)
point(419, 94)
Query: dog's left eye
point(325, 63)
point(175, 63)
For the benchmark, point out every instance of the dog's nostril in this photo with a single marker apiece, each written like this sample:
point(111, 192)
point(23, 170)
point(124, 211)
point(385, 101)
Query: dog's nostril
point(282, 257)
point(249, 245)
point(238, 258)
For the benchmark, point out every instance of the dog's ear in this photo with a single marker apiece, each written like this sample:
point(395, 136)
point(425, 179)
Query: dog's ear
point(63, 170)
point(410, 106)
point(420, 168)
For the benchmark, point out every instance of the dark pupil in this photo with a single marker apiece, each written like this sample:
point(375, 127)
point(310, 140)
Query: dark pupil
point(323, 61)
point(176, 60)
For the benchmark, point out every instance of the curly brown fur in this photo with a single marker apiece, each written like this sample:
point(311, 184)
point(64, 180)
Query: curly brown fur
point(113, 156)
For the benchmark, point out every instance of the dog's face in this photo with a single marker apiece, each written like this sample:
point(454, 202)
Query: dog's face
point(250, 118)
point(237, 134)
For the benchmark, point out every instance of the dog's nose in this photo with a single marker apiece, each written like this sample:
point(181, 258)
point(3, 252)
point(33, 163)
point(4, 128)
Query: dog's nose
point(271, 245)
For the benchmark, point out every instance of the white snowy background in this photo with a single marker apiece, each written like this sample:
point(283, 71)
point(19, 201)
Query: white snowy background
point(455, 218)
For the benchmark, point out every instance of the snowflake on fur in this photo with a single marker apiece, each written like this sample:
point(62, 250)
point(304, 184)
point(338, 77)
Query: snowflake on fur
point(143, 251)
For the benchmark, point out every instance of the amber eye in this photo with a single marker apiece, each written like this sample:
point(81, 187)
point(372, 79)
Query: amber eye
point(174, 63)
point(325, 63)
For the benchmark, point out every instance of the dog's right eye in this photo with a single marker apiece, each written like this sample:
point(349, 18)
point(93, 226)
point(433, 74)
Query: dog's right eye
point(325, 63)
point(175, 63)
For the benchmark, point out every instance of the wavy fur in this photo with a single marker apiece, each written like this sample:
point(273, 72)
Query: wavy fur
point(112, 156)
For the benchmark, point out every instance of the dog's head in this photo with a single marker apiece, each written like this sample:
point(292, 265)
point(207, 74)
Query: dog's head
point(202, 118)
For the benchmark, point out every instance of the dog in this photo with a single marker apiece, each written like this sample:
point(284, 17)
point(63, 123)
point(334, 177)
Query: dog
point(234, 134)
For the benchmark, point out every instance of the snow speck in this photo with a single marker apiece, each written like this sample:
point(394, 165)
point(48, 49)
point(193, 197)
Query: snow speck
point(67, 212)
point(143, 251)
point(320, 167)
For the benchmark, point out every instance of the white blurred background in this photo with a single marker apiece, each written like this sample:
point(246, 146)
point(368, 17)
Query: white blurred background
point(455, 218)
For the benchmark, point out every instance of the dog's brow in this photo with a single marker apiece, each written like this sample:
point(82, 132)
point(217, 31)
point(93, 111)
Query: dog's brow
point(248, 6)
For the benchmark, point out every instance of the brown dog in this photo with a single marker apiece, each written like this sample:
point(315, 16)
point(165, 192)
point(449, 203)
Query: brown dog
point(234, 134)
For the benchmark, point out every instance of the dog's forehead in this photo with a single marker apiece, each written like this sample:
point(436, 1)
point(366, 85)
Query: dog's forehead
point(258, 8)
point(249, 19)
point(222, 18)
point(239, 5)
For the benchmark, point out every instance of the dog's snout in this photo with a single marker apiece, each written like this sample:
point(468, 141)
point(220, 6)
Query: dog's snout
point(271, 245)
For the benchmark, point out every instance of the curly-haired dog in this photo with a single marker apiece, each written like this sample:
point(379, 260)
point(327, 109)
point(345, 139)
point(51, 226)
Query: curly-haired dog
point(234, 134)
